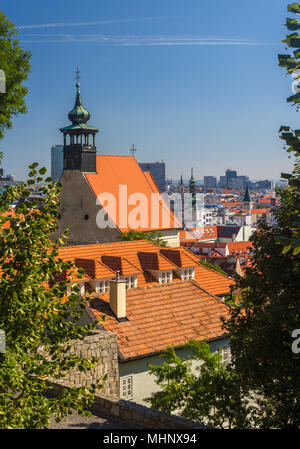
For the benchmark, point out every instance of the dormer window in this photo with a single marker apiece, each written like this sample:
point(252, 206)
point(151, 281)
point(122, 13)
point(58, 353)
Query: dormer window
point(131, 282)
point(165, 276)
point(187, 274)
point(102, 286)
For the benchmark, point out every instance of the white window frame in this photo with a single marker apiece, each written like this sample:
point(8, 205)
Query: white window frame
point(126, 387)
point(165, 277)
point(131, 282)
point(102, 285)
point(226, 354)
point(188, 274)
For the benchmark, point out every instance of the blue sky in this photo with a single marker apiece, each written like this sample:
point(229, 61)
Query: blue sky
point(191, 82)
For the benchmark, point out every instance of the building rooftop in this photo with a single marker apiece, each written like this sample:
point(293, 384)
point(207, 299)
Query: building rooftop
point(114, 172)
point(169, 314)
point(141, 257)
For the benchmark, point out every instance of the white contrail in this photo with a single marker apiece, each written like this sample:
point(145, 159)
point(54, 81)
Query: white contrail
point(95, 22)
point(139, 40)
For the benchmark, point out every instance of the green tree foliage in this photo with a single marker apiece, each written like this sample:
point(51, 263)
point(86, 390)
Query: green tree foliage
point(153, 236)
point(15, 63)
point(261, 326)
point(39, 323)
point(209, 394)
point(264, 366)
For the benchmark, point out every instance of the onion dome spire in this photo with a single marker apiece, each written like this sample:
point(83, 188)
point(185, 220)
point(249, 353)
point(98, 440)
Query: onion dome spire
point(78, 114)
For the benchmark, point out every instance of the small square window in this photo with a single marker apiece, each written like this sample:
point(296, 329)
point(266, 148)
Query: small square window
point(130, 282)
point(166, 276)
point(188, 274)
point(226, 354)
point(103, 286)
point(127, 387)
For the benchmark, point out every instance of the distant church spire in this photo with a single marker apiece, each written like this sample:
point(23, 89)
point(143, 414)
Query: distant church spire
point(192, 187)
point(247, 198)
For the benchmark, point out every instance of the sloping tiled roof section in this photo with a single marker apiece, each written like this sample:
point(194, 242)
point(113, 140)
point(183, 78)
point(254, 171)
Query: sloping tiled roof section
point(178, 257)
point(155, 261)
point(117, 263)
point(161, 316)
point(95, 268)
point(243, 247)
point(212, 281)
point(116, 171)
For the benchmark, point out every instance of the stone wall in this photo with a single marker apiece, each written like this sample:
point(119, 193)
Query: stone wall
point(103, 345)
point(133, 414)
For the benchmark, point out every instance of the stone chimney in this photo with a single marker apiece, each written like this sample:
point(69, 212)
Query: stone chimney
point(117, 297)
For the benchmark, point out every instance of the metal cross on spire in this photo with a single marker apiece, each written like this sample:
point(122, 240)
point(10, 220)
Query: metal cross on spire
point(133, 150)
point(77, 75)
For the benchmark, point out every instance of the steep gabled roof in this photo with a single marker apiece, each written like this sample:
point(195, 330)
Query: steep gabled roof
point(116, 171)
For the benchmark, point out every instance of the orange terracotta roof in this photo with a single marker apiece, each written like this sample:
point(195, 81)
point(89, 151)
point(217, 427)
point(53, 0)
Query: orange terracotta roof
point(268, 201)
point(155, 261)
point(178, 257)
point(114, 172)
point(232, 203)
point(161, 316)
point(187, 236)
point(242, 247)
point(117, 263)
point(210, 280)
point(95, 269)
point(259, 211)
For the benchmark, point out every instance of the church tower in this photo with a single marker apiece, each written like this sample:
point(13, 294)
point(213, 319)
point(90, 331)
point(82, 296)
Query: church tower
point(79, 138)
point(192, 188)
point(248, 204)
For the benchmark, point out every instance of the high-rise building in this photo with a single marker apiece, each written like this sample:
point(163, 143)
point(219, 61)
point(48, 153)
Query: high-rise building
point(57, 162)
point(230, 177)
point(158, 171)
point(210, 182)
point(223, 182)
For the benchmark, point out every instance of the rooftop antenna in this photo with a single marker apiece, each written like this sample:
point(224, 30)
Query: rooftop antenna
point(133, 150)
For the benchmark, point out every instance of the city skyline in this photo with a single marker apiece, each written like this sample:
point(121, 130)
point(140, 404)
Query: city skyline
point(186, 84)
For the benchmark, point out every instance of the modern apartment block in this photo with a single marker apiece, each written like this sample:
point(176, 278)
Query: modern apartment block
point(210, 182)
point(57, 162)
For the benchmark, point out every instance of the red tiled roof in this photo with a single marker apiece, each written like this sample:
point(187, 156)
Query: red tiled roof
point(117, 263)
point(243, 247)
point(232, 203)
point(178, 257)
point(155, 261)
point(212, 281)
point(95, 269)
point(161, 316)
point(116, 171)
point(259, 211)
